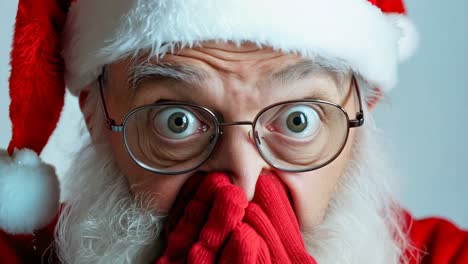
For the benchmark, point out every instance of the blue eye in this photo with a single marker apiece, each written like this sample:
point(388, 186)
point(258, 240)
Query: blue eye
point(298, 121)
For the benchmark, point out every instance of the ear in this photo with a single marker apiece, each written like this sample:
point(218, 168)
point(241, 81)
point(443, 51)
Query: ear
point(83, 100)
point(374, 98)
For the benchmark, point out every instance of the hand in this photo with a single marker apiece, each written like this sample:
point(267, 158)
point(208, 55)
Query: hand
point(212, 221)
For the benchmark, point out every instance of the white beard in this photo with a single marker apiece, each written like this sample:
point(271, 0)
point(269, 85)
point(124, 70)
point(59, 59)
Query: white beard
point(363, 223)
point(102, 223)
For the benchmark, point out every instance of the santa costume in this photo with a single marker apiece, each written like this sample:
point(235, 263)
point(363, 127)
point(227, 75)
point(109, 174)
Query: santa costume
point(61, 44)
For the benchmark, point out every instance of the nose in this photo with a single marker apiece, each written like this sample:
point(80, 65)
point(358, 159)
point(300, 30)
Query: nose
point(237, 155)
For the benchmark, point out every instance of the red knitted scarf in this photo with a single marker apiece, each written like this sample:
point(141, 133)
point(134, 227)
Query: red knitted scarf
point(212, 222)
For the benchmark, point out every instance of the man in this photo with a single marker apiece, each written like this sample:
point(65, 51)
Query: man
point(221, 131)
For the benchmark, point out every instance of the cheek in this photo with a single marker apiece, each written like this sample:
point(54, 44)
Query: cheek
point(312, 191)
point(161, 190)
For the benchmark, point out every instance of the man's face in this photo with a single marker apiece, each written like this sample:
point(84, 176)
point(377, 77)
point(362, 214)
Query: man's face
point(237, 82)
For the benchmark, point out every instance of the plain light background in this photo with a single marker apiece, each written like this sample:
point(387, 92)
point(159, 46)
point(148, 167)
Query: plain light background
point(426, 116)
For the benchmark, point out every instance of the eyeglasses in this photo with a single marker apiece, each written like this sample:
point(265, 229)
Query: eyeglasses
point(294, 136)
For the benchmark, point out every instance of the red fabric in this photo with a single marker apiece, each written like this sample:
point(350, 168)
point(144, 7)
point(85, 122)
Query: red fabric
point(212, 222)
point(390, 6)
point(437, 241)
point(22, 249)
point(8, 251)
point(37, 87)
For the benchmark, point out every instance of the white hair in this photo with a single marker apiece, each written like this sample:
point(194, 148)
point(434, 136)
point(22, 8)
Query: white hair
point(102, 223)
point(363, 223)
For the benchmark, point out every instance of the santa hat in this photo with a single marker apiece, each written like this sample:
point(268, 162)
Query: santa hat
point(58, 43)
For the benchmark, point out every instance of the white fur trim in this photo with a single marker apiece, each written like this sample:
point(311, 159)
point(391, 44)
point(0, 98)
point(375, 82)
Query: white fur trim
point(99, 32)
point(29, 192)
point(409, 35)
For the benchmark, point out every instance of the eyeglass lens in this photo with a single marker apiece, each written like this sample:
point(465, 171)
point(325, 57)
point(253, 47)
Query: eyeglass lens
point(301, 136)
point(170, 138)
point(176, 138)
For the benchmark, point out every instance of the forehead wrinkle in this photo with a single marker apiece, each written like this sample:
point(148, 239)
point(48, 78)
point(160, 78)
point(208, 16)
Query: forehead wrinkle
point(305, 68)
point(186, 74)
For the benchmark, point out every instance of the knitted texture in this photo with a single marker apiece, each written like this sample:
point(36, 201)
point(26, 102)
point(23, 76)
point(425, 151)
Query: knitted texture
point(212, 222)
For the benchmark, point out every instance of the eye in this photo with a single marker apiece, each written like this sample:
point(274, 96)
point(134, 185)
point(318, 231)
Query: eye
point(177, 123)
point(299, 121)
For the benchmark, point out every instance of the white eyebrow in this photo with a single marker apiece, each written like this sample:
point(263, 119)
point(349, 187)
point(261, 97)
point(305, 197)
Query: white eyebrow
point(194, 77)
point(338, 71)
point(182, 73)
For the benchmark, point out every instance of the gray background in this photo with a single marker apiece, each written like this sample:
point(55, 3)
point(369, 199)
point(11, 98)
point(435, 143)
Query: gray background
point(425, 116)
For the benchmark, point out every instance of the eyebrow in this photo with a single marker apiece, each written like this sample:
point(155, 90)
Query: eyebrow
point(188, 75)
point(192, 76)
point(304, 68)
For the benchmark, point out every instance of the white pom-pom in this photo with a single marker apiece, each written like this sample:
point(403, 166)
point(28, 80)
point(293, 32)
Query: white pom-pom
point(29, 192)
point(409, 36)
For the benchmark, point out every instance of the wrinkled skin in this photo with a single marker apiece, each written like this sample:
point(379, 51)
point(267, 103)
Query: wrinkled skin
point(237, 85)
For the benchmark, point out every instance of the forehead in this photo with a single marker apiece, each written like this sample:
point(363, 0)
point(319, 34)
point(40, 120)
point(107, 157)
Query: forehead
point(213, 65)
point(230, 58)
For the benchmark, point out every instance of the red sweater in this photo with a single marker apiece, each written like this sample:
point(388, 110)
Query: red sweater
point(437, 241)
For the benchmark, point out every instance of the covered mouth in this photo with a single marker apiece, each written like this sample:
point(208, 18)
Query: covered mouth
point(213, 222)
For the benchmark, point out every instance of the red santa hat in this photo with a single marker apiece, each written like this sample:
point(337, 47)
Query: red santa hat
point(58, 43)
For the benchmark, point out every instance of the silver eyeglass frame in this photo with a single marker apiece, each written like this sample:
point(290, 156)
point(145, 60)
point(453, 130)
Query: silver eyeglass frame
point(119, 128)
